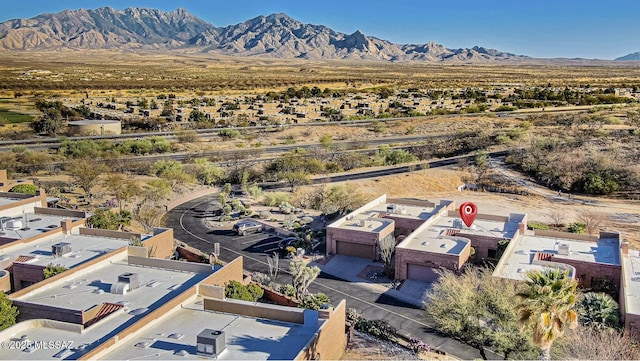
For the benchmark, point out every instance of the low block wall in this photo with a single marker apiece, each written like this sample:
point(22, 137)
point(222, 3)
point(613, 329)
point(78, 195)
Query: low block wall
point(108, 233)
point(331, 339)
point(232, 271)
point(255, 309)
point(61, 212)
point(191, 196)
point(170, 264)
point(567, 235)
point(279, 298)
point(30, 310)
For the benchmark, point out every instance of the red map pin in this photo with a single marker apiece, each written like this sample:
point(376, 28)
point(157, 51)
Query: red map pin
point(468, 213)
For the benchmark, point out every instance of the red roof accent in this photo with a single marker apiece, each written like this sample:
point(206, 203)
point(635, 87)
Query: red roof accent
point(23, 259)
point(452, 232)
point(106, 309)
point(544, 256)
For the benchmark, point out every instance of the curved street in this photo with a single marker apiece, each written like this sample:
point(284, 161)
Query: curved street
point(188, 223)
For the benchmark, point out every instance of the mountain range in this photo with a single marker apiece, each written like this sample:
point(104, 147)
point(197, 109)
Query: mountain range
point(632, 56)
point(276, 35)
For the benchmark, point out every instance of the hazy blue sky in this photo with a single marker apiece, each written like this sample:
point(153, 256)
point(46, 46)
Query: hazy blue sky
point(603, 29)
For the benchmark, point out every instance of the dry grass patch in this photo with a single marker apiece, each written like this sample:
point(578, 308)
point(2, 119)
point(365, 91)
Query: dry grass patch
point(422, 184)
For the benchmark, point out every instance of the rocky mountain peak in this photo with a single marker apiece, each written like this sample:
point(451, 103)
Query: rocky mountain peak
point(274, 35)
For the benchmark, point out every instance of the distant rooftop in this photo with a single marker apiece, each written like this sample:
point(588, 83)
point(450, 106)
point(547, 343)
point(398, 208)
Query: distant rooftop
point(246, 338)
point(402, 210)
point(29, 225)
point(518, 262)
point(8, 200)
point(373, 215)
point(83, 248)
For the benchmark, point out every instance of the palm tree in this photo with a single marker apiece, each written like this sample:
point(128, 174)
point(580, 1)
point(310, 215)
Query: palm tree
point(599, 310)
point(547, 306)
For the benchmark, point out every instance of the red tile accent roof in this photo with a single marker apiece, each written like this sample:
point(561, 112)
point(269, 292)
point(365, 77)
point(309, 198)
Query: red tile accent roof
point(23, 259)
point(106, 309)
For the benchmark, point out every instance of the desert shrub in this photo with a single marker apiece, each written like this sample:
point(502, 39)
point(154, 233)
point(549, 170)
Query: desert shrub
point(536, 225)
point(255, 291)
point(577, 227)
point(352, 315)
point(274, 199)
point(599, 310)
point(187, 136)
point(238, 291)
point(418, 346)
point(377, 328)
point(288, 290)
point(229, 133)
point(254, 190)
point(286, 207)
point(597, 183)
point(261, 278)
point(8, 312)
point(52, 270)
point(314, 301)
point(24, 189)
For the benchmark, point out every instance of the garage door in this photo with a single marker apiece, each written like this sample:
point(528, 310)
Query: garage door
point(354, 249)
point(421, 273)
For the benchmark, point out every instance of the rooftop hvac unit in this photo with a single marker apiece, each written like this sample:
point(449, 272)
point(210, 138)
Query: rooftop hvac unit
point(119, 288)
point(60, 249)
point(392, 208)
point(15, 224)
point(130, 278)
point(563, 249)
point(362, 223)
point(210, 343)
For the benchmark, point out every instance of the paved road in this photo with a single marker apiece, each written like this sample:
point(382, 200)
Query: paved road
point(187, 223)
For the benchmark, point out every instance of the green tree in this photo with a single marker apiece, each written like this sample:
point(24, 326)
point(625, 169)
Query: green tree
point(477, 309)
point(599, 310)
point(53, 269)
point(208, 173)
point(25, 189)
point(197, 116)
point(106, 219)
point(295, 179)
point(8, 312)
point(50, 123)
point(156, 190)
point(547, 307)
point(172, 171)
point(123, 189)
point(341, 199)
point(227, 134)
point(86, 173)
point(326, 141)
point(148, 216)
